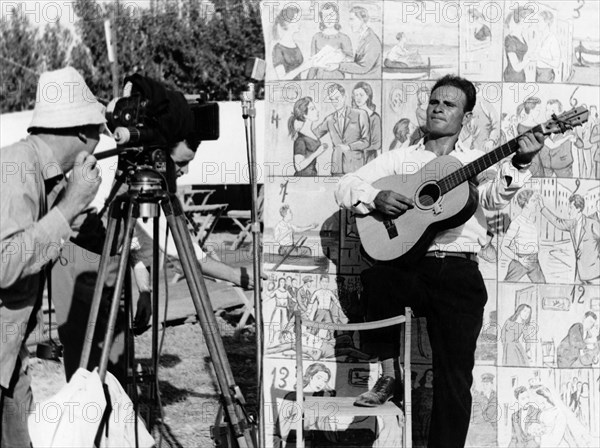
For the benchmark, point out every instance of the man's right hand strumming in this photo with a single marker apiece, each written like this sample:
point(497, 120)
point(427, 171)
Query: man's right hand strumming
point(391, 203)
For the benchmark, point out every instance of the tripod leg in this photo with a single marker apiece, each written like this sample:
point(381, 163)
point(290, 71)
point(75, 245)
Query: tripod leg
point(115, 214)
point(231, 395)
point(114, 306)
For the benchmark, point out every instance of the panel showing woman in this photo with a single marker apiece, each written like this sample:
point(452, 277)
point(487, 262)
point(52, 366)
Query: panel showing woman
point(515, 46)
point(330, 43)
point(288, 60)
point(362, 98)
point(307, 146)
point(513, 337)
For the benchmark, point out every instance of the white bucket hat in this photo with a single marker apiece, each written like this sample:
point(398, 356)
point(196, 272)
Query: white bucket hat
point(63, 100)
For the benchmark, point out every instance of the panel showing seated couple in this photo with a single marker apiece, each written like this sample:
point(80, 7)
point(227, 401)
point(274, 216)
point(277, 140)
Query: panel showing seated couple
point(323, 39)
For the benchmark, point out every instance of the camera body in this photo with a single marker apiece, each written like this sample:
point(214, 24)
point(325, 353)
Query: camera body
point(150, 119)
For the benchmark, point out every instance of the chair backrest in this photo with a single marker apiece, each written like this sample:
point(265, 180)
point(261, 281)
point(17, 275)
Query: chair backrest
point(300, 324)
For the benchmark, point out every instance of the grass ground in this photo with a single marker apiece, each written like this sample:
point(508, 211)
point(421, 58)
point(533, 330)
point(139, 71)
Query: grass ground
point(189, 390)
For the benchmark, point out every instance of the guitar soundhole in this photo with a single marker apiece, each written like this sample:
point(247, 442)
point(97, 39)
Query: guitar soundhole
point(429, 195)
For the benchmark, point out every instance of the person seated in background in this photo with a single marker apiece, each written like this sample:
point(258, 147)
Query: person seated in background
point(400, 56)
point(182, 154)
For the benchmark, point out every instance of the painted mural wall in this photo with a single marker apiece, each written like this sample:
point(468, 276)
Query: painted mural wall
point(537, 373)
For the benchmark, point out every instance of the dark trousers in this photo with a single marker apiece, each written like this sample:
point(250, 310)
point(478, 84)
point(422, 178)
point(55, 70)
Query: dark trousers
point(15, 403)
point(73, 282)
point(450, 293)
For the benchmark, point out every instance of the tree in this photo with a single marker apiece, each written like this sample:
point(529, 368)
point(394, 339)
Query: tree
point(55, 46)
point(187, 45)
point(20, 56)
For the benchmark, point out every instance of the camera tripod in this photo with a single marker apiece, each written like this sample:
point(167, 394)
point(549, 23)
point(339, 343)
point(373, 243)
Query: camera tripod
point(146, 196)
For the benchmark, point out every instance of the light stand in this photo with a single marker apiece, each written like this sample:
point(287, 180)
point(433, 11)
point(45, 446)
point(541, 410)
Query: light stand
point(249, 115)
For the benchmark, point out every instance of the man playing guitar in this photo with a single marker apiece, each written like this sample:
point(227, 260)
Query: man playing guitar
point(445, 285)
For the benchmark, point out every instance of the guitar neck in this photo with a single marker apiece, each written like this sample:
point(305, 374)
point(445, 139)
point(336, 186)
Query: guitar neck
point(481, 164)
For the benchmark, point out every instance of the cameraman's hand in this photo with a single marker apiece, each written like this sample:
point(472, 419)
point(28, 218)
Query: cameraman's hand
point(143, 313)
point(82, 186)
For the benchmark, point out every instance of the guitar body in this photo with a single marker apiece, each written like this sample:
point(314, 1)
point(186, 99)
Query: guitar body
point(409, 236)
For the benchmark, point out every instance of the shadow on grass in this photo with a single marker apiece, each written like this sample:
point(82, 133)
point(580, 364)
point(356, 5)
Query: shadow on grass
point(166, 360)
point(168, 438)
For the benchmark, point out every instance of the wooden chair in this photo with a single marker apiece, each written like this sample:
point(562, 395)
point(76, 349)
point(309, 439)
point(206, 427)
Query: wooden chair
point(241, 218)
point(202, 217)
point(344, 405)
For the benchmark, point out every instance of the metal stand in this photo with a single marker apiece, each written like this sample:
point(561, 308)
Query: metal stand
point(249, 115)
point(147, 194)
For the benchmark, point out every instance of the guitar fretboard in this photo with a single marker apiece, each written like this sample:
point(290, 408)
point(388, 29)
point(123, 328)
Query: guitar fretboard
point(481, 164)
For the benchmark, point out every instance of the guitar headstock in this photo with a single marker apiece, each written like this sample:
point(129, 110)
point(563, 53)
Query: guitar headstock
point(565, 121)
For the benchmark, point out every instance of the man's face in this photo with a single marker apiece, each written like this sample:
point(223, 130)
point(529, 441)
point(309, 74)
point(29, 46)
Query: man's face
point(524, 399)
point(445, 112)
point(324, 283)
point(355, 23)
point(573, 211)
point(551, 108)
point(589, 322)
point(92, 135)
point(182, 155)
point(487, 387)
point(337, 99)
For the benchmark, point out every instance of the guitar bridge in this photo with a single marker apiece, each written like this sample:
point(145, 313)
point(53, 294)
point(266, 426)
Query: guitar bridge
point(391, 228)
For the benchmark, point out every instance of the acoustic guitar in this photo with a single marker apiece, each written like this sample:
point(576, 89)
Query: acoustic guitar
point(443, 195)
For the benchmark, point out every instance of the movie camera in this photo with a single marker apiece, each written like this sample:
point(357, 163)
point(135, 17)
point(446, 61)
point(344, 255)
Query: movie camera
point(150, 119)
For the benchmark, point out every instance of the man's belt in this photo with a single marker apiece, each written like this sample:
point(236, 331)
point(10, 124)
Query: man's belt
point(443, 254)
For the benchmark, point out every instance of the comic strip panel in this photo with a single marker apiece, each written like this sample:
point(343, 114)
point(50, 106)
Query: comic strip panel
point(551, 42)
point(307, 40)
point(570, 152)
point(321, 298)
point(411, 50)
point(550, 234)
point(301, 225)
point(485, 412)
point(323, 128)
point(545, 407)
point(324, 420)
point(548, 326)
point(481, 40)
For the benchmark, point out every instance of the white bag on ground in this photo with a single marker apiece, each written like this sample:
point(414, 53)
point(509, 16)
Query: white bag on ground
point(72, 417)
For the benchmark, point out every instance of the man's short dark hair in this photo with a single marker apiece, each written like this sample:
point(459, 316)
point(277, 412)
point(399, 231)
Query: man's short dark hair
point(577, 201)
point(460, 83)
point(335, 86)
point(283, 210)
point(519, 390)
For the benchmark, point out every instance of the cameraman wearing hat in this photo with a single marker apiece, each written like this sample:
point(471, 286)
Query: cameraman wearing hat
point(37, 209)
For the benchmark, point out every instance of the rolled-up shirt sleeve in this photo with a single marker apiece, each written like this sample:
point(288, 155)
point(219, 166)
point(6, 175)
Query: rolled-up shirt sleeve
point(506, 181)
point(26, 243)
point(355, 190)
